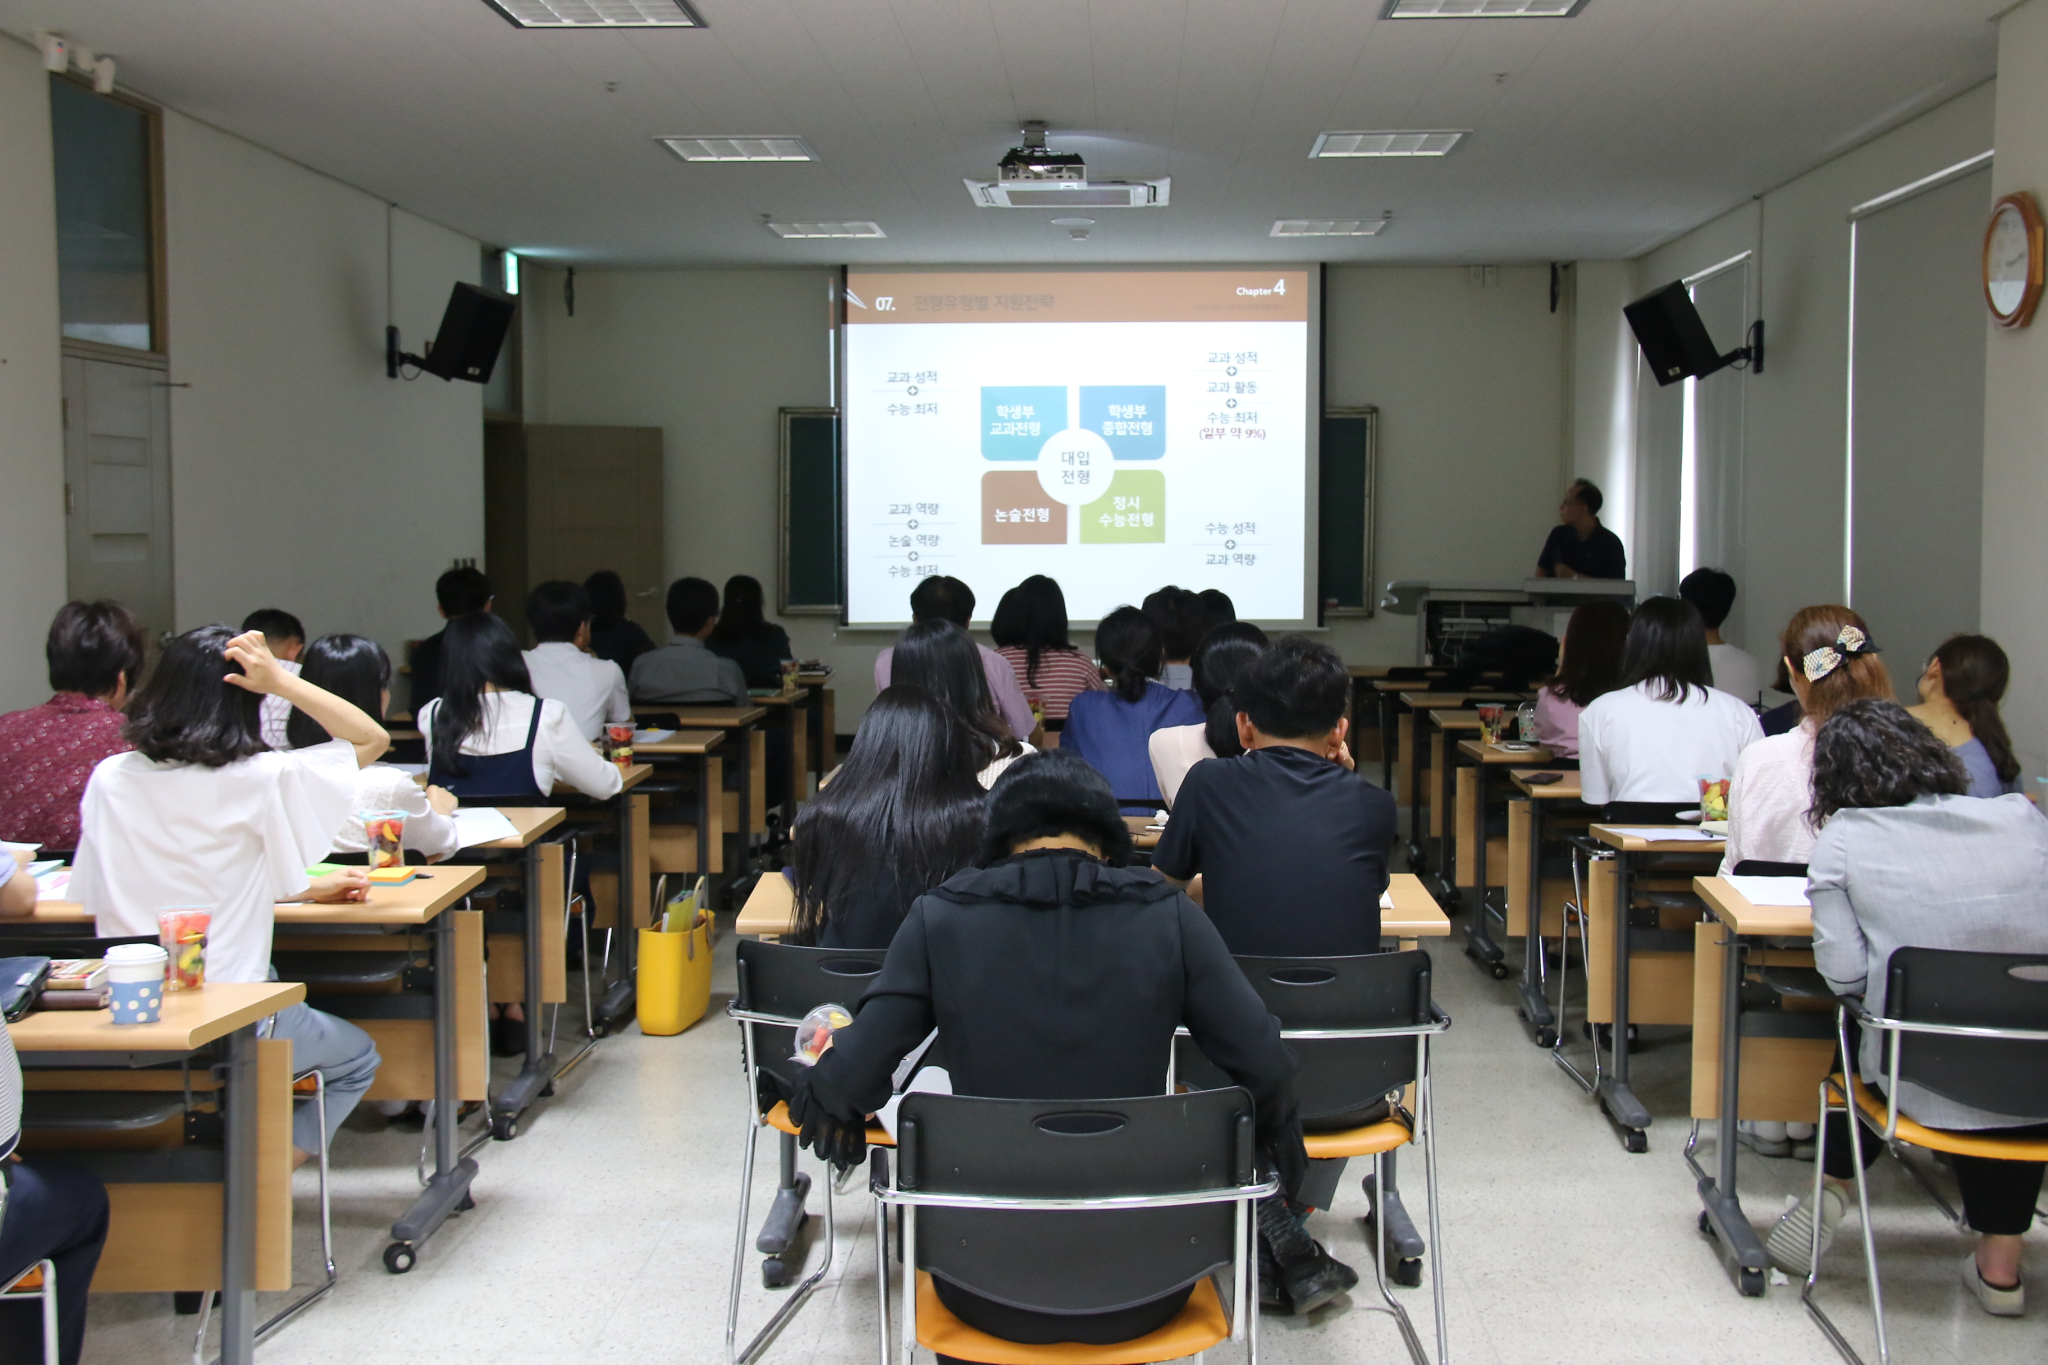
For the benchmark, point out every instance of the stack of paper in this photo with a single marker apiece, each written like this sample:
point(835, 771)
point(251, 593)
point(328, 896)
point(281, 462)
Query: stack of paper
point(651, 736)
point(1788, 891)
point(481, 825)
point(1666, 834)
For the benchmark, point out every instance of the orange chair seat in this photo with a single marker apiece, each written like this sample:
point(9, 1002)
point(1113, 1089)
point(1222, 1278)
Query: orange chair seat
point(1370, 1140)
point(1955, 1141)
point(30, 1281)
point(1198, 1326)
point(306, 1085)
point(779, 1120)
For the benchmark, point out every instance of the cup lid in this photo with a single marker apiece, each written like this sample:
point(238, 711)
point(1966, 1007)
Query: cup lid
point(137, 952)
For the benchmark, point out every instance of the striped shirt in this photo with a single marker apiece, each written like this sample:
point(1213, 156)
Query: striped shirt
point(1063, 674)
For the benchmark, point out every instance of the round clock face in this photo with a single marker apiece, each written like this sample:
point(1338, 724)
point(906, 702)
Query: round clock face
point(2005, 260)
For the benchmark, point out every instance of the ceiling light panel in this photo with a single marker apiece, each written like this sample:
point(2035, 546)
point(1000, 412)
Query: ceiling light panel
point(1436, 142)
point(597, 13)
point(747, 148)
point(1482, 9)
point(1328, 227)
point(807, 231)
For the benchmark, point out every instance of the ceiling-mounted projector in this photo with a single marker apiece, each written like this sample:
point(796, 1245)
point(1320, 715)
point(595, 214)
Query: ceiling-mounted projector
point(1033, 176)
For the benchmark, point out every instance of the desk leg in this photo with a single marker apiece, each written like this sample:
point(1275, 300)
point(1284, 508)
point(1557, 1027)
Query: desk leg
point(1418, 858)
point(1479, 944)
point(1386, 740)
point(1741, 1249)
point(1617, 1100)
point(745, 734)
point(238, 1204)
point(1535, 1008)
point(447, 1188)
point(705, 796)
point(621, 999)
point(539, 1071)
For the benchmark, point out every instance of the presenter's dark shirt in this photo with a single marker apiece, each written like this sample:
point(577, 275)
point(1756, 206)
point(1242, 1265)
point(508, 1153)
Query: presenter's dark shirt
point(1597, 556)
point(1292, 849)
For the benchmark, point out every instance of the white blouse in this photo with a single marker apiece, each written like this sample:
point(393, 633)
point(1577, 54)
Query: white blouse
point(383, 787)
point(559, 753)
point(1633, 747)
point(1174, 750)
point(1768, 801)
point(988, 775)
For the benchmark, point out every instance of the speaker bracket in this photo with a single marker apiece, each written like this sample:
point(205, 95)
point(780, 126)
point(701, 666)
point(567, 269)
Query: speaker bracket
point(394, 358)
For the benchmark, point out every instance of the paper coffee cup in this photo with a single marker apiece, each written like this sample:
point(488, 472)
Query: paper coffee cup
point(135, 982)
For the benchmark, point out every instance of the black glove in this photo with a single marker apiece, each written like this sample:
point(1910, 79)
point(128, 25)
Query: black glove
point(843, 1142)
point(1284, 1147)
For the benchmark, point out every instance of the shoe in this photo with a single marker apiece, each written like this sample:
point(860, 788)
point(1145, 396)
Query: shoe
point(1999, 1303)
point(1313, 1281)
point(1790, 1244)
point(508, 1037)
point(1763, 1138)
point(1272, 1293)
point(1801, 1135)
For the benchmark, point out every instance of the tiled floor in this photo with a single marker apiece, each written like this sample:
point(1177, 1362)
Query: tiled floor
point(604, 1234)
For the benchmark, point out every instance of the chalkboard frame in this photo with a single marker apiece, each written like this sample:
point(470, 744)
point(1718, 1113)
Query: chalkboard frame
point(1368, 510)
point(787, 603)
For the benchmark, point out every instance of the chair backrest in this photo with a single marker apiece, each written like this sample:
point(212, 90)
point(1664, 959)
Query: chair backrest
point(1973, 990)
point(1644, 812)
point(66, 941)
point(1075, 1261)
point(1759, 867)
point(1339, 1077)
point(788, 981)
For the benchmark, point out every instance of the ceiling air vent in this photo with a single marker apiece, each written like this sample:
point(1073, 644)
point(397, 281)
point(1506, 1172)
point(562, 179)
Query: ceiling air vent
point(1328, 227)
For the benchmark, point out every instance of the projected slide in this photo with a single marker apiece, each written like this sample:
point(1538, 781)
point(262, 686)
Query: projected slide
point(1118, 430)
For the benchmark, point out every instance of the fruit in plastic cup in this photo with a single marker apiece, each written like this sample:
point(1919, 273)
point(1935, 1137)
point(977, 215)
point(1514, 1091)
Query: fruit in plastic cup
point(135, 982)
point(181, 933)
point(1489, 723)
point(620, 741)
point(1713, 798)
point(384, 837)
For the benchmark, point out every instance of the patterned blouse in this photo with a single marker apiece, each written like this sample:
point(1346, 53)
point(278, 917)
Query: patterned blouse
point(46, 755)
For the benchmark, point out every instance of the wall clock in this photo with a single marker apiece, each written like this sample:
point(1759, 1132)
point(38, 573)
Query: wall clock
point(2013, 252)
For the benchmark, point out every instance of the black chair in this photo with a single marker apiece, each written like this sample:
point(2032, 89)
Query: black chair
point(1072, 1206)
point(1970, 1027)
point(778, 984)
point(1360, 1029)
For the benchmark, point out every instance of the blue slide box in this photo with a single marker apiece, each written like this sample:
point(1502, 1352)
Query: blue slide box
point(1131, 417)
point(1017, 422)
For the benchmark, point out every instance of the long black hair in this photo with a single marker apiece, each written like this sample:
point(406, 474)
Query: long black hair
point(1871, 752)
point(1221, 656)
point(351, 667)
point(741, 616)
point(607, 597)
point(1131, 651)
point(942, 659)
point(1050, 793)
point(184, 713)
point(476, 650)
point(1181, 619)
point(1594, 644)
point(1033, 617)
point(904, 808)
point(1667, 645)
point(1974, 674)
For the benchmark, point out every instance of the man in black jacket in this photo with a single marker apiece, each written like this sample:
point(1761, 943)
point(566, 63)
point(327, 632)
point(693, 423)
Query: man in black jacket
point(1053, 971)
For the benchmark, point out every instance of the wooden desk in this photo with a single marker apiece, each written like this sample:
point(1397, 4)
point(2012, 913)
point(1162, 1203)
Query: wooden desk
point(529, 966)
point(1472, 759)
point(680, 848)
point(1743, 1073)
point(1411, 702)
point(1532, 902)
point(252, 1205)
point(1432, 793)
point(752, 810)
point(629, 888)
point(793, 711)
point(1141, 836)
point(1667, 987)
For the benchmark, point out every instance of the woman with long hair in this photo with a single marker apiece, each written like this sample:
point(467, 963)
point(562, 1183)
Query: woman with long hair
point(745, 635)
point(358, 671)
point(1218, 660)
point(942, 659)
point(489, 738)
point(1113, 729)
point(1664, 727)
point(1959, 694)
point(902, 814)
point(612, 635)
point(1906, 860)
point(1030, 631)
point(1181, 619)
point(1588, 668)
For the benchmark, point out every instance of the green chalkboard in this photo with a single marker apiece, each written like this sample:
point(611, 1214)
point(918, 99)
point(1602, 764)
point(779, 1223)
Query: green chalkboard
point(810, 530)
point(1349, 471)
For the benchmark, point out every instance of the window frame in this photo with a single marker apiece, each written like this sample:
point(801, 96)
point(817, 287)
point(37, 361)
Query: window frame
point(158, 356)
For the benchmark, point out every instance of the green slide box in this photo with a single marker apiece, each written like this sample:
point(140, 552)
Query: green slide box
point(1132, 512)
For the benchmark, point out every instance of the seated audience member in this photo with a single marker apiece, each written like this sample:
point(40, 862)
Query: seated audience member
point(204, 813)
point(948, 599)
point(1221, 656)
point(1783, 718)
point(1055, 972)
point(1579, 546)
point(52, 1211)
point(359, 672)
point(287, 640)
point(458, 592)
point(1290, 843)
point(1217, 608)
point(1181, 620)
point(613, 637)
point(94, 652)
point(902, 814)
point(562, 669)
point(1113, 729)
point(684, 672)
point(1905, 861)
point(1959, 694)
point(1830, 661)
point(941, 658)
point(1588, 667)
point(1030, 631)
point(1712, 594)
point(745, 635)
point(490, 738)
point(1664, 727)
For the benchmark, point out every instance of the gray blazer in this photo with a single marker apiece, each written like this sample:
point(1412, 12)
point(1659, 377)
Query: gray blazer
point(1957, 872)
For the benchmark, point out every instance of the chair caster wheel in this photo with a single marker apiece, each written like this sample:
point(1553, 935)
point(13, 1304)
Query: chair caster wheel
point(547, 1090)
point(600, 1029)
point(1751, 1283)
point(1546, 1038)
point(468, 1202)
point(774, 1274)
point(1406, 1273)
point(1706, 1224)
point(185, 1303)
point(504, 1127)
point(1500, 971)
point(400, 1257)
point(1635, 1140)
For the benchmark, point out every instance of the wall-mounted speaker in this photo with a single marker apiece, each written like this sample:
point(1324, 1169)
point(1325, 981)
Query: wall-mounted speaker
point(1674, 340)
point(473, 328)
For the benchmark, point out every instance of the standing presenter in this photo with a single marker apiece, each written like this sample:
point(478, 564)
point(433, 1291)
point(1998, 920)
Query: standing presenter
point(1579, 546)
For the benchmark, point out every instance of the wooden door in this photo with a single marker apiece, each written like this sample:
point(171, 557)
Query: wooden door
point(117, 487)
point(593, 498)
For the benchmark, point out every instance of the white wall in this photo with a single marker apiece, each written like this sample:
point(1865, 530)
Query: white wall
point(302, 477)
point(1603, 389)
point(31, 427)
point(1787, 532)
point(2016, 408)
